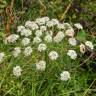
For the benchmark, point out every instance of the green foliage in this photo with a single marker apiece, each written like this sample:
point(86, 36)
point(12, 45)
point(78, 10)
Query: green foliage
point(81, 35)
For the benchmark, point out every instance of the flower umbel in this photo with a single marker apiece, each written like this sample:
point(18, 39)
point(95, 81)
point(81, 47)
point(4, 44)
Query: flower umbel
point(65, 76)
point(41, 65)
point(17, 71)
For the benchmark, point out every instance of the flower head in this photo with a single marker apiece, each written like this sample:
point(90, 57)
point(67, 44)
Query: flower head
point(59, 37)
point(16, 51)
point(20, 28)
point(38, 33)
point(37, 40)
point(49, 33)
point(53, 55)
point(50, 24)
point(72, 54)
point(55, 21)
point(89, 44)
point(11, 38)
point(43, 28)
point(26, 32)
point(41, 21)
point(41, 65)
point(78, 25)
point(48, 38)
point(42, 47)
point(70, 32)
point(28, 50)
point(32, 25)
point(60, 26)
point(25, 41)
point(65, 76)
point(17, 71)
point(72, 41)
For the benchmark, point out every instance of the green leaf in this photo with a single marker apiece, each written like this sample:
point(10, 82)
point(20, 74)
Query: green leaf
point(81, 35)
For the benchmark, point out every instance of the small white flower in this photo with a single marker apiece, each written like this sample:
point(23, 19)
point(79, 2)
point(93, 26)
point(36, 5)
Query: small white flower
point(46, 18)
point(17, 71)
point(16, 51)
point(65, 76)
point(67, 26)
point(2, 57)
point(89, 44)
point(50, 24)
point(78, 25)
point(60, 26)
point(41, 65)
point(55, 21)
point(26, 32)
point(42, 47)
point(11, 38)
point(38, 33)
point(53, 55)
point(82, 48)
point(72, 54)
point(25, 41)
point(43, 28)
point(37, 40)
point(40, 21)
point(72, 41)
point(70, 32)
point(59, 37)
point(49, 33)
point(48, 38)
point(28, 24)
point(28, 50)
point(32, 25)
point(20, 28)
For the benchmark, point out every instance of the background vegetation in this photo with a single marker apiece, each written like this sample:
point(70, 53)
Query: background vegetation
point(16, 12)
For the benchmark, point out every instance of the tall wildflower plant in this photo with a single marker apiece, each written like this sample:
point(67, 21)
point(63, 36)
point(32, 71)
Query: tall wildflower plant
point(44, 48)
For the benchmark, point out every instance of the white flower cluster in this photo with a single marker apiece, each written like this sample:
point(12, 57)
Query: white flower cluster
point(37, 40)
point(16, 51)
point(28, 50)
point(11, 38)
point(31, 25)
point(53, 55)
point(85, 45)
point(48, 38)
point(78, 25)
point(41, 65)
point(89, 44)
point(20, 28)
point(59, 37)
point(25, 41)
point(70, 32)
point(42, 47)
point(2, 55)
point(72, 54)
point(17, 71)
point(42, 21)
point(43, 28)
point(65, 76)
point(72, 41)
point(26, 32)
point(40, 34)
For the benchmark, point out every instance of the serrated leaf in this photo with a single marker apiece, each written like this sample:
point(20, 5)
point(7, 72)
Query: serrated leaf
point(81, 35)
